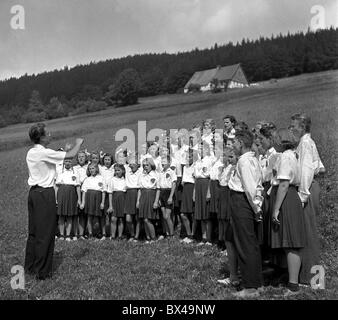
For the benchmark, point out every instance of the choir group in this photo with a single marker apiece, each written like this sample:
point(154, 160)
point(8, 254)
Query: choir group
point(252, 191)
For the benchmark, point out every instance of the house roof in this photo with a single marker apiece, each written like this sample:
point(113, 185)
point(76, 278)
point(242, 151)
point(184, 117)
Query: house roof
point(221, 73)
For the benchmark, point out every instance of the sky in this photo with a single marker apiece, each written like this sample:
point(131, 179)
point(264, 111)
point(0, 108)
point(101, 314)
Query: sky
point(60, 33)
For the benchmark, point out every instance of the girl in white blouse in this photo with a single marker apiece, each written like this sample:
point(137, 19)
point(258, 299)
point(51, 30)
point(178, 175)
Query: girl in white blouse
point(117, 191)
point(167, 184)
point(107, 172)
point(148, 196)
point(92, 189)
point(288, 222)
point(68, 198)
point(81, 169)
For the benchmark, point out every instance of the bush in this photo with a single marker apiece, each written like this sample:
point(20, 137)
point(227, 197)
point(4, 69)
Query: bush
point(90, 105)
point(126, 89)
point(55, 109)
point(15, 115)
point(194, 87)
point(34, 117)
point(3, 122)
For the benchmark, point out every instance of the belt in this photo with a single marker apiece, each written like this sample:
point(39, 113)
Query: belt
point(39, 187)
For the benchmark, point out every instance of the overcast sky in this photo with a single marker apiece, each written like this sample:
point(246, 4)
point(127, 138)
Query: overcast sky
point(69, 32)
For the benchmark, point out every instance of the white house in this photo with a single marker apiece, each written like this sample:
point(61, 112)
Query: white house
point(228, 77)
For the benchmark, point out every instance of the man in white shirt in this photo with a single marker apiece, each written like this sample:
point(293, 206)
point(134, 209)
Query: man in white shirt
point(310, 165)
point(42, 218)
point(246, 202)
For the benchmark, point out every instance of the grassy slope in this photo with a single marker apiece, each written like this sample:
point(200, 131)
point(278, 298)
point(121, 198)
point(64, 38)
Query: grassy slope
point(165, 271)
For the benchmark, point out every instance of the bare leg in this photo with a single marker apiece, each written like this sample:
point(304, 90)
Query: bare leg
point(113, 227)
point(103, 225)
point(151, 228)
point(68, 226)
point(138, 227)
point(81, 224)
point(120, 227)
point(62, 226)
point(90, 225)
point(186, 224)
point(169, 223)
point(204, 229)
point(130, 226)
point(294, 263)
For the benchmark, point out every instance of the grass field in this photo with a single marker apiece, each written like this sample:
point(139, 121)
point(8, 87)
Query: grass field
point(165, 270)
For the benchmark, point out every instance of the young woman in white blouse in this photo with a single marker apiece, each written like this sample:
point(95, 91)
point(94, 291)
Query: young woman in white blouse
point(288, 221)
point(148, 196)
point(92, 189)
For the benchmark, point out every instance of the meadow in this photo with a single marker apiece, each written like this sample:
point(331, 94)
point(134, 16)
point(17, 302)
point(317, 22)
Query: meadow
point(165, 270)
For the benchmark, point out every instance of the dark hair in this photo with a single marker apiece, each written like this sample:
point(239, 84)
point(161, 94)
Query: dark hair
point(121, 167)
point(37, 131)
point(109, 156)
point(303, 120)
point(246, 137)
point(241, 126)
point(231, 118)
point(286, 140)
point(267, 130)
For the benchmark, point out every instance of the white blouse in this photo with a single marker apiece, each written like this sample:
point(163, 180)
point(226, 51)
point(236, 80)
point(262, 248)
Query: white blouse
point(214, 171)
point(247, 177)
point(203, 167)
point(225, 174)
point(68, 176)
point(81, 171)
point(310, 164)
point(167, 178)
point(188, 174)
point(117, 184)
point(148, 180)
point(132, 177)
point(42, 163)
point(287, 168)
point(93, 183)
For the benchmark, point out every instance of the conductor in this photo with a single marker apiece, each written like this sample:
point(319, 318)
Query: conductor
point(42, 215)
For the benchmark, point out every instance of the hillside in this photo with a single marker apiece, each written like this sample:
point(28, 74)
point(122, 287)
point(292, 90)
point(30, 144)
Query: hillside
point(261, 59)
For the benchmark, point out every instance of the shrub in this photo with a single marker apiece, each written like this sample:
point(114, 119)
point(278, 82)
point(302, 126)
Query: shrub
point(194, 87)
point(3, 122)
point(34, 117)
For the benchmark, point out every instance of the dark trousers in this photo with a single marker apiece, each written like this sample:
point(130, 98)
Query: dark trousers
point(42, 220)
point(245, 240)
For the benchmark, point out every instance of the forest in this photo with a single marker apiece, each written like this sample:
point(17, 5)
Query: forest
point(99, 85)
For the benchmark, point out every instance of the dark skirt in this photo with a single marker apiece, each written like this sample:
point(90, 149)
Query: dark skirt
point(201, 204)
point(178, 192)
point(164, 196)
point(310, 254)
point(224, 213)
point(291, 231)
point(130, 203)
point(147, 199)
point(214, 193)
point(187, 205)
point(118, 204)
point(93, 202)
point(224, 203)
point(264, 227)
point(67, 200)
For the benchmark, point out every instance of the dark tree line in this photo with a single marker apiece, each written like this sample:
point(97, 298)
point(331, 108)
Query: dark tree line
point(262, 59)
